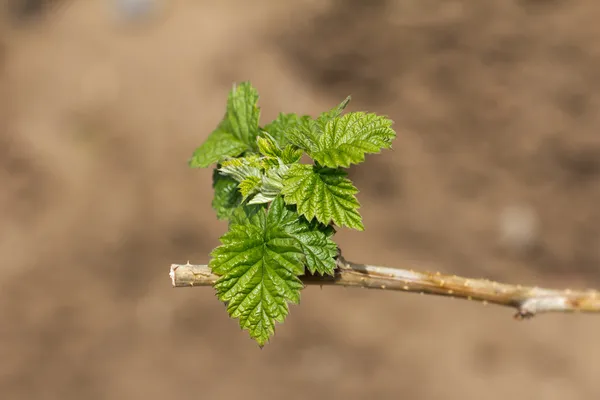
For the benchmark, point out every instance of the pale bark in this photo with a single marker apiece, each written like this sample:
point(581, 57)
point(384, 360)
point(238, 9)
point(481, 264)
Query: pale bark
point(528, 301)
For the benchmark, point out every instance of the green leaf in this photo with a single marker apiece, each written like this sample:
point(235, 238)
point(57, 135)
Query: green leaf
point(258, 263)
point(243, 113)
point(270, 185)
point(242, 168)
point(245, 212)
point(314, 238)
point(250, 186)
point(305, 136)
point(347, 139)
point(335, 112)
point(319, 250)
point(268, 147)
point(219, 145)
point(291, 155)
point(274, 155)
point(227, 197)
point(305, 133)
point(281, 126)
point(237, 131)
point(322, 193)
point(260, 178)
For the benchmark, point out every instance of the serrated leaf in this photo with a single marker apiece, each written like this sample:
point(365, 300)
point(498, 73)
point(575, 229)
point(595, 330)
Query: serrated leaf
point(270, 185)
point(268, 147)
point(319, 250)
point(250, 186)
point(347, 139)
point(226, 195)
point(245, 213)
point(280, 127)
point(291, 155)
point(243, 113)
point(219, 145)
point(335, 112)
point(251, 160)
point(242, 168)
point(305, 136)
point(307, 133)
point(322, 193)
point(237, 131)
point(315, 239)
point(258, 263)
point(274, 155)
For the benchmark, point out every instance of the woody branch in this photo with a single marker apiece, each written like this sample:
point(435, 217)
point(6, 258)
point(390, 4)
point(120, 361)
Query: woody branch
point(528, 301)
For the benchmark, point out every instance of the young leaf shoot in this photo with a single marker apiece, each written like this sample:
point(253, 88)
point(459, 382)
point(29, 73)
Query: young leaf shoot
point(282, 213)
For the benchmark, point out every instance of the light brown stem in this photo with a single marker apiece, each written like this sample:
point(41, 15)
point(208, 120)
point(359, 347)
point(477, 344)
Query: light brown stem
point(528, 301)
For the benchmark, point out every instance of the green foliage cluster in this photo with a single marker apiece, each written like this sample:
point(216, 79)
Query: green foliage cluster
point(281, 212)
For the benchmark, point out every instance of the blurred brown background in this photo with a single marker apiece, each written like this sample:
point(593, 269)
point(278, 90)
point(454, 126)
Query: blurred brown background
point(495, 173)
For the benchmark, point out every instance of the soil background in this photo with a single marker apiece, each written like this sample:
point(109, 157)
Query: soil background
point(495, 174)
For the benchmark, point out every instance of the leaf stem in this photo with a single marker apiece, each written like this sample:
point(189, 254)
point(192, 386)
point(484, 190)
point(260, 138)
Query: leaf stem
point(528, 301)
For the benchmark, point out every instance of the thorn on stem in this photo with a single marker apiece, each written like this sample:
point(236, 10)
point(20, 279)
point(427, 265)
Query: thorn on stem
point(522, 315)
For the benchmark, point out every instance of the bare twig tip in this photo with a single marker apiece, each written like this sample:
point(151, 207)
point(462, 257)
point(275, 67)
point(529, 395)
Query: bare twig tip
point(172, 273)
